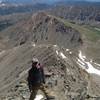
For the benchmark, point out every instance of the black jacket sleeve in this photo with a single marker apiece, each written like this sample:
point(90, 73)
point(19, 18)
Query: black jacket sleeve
point(29, 81)
point(43, 76)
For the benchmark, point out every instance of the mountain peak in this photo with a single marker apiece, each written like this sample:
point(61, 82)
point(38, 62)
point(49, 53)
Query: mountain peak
point(40, 16)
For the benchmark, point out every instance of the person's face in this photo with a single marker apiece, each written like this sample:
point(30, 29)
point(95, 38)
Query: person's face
point(34, 63)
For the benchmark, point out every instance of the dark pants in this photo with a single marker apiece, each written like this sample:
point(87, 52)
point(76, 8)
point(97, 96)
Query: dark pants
point(35, 89)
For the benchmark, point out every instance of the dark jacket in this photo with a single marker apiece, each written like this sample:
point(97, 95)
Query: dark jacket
point(36, 76)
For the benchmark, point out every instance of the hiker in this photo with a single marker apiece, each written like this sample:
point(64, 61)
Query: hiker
point(36, 79)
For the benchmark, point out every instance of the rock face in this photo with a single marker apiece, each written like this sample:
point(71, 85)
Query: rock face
point(52, 30)
point(42, 28)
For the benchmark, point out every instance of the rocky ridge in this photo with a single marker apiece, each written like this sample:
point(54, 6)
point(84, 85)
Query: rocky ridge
point(42, 28)
point(68, 78)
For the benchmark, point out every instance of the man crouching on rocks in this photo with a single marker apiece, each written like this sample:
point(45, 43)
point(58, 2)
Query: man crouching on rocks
point(36, 79)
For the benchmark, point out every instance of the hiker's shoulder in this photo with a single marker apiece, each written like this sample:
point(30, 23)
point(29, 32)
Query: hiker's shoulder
point(30, 70)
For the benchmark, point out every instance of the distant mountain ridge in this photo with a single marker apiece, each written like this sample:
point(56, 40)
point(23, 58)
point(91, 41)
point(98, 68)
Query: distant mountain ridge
point(16, 1)
point(6, 8)
point(44, 1)
point(78, 13)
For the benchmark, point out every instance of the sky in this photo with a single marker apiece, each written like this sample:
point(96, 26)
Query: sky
point(45, 1)
point(51, 1)
point(64, 0)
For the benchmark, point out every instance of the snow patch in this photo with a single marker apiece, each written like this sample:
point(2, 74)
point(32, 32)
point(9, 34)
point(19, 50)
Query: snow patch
point(38, 97)
point(57, 52)
point(91, 69)
point(91, 61)
point(67, 50)
point(81, 62)
point(81, 56)
point(62, 55)
point(97, 64)
point(87, 65)
point(33, 44)
point(81, 65)
point(55, 45)
point(70, 52)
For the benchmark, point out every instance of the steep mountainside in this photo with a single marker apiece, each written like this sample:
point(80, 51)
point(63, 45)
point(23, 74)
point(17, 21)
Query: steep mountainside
point(42, 28)
point(78, 13)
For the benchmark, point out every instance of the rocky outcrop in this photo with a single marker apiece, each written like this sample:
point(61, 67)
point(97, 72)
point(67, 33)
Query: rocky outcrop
point(54, 31)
